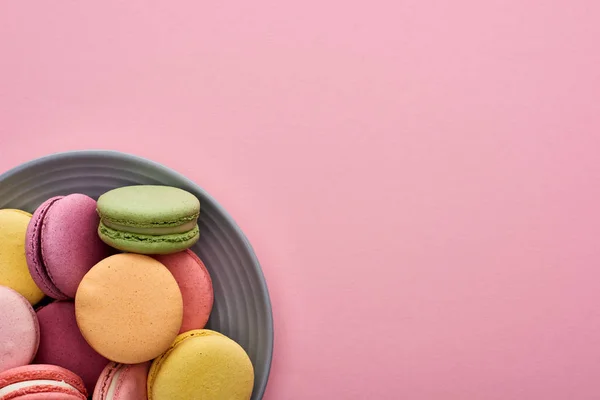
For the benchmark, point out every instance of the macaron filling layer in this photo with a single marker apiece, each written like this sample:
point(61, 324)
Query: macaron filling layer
point(151, 230)
point(113, 384)
point(34, 383)
point(150, 224)
point(113, 234)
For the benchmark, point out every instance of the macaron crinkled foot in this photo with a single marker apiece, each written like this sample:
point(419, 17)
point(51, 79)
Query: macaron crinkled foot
point(19, 330)
point(62, 244)
point(123, 382)
point(62, 343)
point(41, 382)
point(129, 308)
point(201, 364)
point(149, 219)
point(14, 272)
point(196, 287)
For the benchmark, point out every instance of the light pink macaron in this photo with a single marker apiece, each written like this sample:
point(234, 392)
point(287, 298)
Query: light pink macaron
point(19, 330)
point(41, 382)
point(196, 287)
point(123, 382)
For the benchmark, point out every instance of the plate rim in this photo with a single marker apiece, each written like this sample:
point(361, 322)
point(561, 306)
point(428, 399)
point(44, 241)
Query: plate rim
point(72, 154)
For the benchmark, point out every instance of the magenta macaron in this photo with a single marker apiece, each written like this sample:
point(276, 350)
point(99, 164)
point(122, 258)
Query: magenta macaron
point(19, 330)
point(41, 382)
point(62, 244)
point(123, 382)
point(62, 344)
point(196, 287)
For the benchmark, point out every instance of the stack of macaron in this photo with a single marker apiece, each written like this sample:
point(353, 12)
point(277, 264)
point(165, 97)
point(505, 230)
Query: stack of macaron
point(105, 300)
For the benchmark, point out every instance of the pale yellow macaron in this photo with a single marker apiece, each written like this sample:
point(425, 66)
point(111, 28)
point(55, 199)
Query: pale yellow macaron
point(201, 364)
point(13, 265)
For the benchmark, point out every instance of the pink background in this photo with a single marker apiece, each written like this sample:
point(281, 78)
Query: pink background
point(420, 178)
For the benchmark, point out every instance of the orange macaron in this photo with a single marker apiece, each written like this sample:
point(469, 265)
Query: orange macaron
point(129, 308)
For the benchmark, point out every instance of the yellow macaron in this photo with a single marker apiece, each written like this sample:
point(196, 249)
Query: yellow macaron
point(13, 264)
point(201, 364)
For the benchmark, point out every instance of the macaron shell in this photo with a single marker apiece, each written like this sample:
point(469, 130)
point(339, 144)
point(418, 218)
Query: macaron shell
point(46, 392)
point(62, 343)
point(49, 396)
point(69, 242)
point(151, 319)
point(148, 206)
point(19, 330)
point(196, 287)
point(157, 363)
point(202, 366)
point(14, 272)
point(33, 251)
point(131, 382)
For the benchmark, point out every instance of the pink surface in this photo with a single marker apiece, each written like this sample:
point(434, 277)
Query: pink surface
point(418, 178)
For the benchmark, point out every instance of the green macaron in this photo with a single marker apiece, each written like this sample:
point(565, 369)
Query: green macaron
point(149, 219)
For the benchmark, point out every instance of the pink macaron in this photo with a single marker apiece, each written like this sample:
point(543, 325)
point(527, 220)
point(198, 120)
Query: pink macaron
point(19, 330)
point(123, 382)
point(62, 344)
point(62, 244)
point(196, 287)
point(41, 382)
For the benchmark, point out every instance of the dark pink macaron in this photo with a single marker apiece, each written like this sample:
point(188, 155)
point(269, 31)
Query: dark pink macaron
point(41, 382)
point(123, 382)
point(62, 244)
point(62, 344)
point(196, 287)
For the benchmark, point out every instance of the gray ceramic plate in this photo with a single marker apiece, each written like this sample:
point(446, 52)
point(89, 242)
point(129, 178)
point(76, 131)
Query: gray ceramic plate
point(242, 307)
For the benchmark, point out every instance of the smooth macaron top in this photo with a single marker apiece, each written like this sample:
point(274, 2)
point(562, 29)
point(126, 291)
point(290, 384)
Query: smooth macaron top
point(29, 381)
point(14, 272)
point(129, 308)
point(19, 330)
point(196, 287)
point(62, 244)
point(123, 382)
point(149, 209)
point(62, 344)
point(201, 364)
